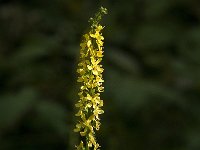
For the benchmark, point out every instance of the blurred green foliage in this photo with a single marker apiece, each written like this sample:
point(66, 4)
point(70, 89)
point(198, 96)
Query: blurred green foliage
point(152, 73)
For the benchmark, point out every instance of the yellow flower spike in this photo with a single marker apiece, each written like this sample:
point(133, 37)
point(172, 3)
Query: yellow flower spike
point(90, 77)
point(89, 43)
point(95, 72)
point(80, 147)
point(99, 53)
point(79, 113)
point(89, 67)
point(89, 97)
point(78, 104)
point(84, 132)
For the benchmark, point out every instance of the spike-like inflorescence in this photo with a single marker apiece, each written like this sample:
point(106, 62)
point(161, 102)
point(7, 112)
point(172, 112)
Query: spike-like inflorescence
point(90, 76)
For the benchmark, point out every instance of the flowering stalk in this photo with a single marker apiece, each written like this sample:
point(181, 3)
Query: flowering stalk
point(90, 76)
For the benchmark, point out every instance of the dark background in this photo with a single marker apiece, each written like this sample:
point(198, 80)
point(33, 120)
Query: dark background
point(152, 73)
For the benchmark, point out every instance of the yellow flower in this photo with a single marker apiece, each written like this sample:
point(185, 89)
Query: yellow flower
point(80, 147)
point(90, 77)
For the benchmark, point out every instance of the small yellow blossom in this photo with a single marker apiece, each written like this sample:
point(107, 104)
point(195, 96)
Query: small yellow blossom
point(90, 77)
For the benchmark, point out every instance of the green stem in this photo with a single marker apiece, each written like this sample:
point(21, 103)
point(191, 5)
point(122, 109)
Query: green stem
point(87, 147)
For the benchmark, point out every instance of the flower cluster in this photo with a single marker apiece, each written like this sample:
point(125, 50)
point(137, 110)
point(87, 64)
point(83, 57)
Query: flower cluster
point(90, 76)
